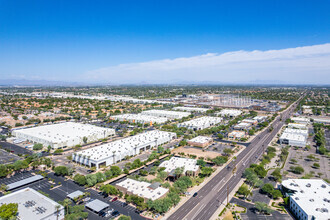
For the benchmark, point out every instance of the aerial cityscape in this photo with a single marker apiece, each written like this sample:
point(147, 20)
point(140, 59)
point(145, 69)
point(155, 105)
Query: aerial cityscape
point(164, 110)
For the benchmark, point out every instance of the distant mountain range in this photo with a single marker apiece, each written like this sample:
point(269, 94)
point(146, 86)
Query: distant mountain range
point(22, 82)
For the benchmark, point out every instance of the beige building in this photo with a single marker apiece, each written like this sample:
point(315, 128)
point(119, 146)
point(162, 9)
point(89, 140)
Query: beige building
point(200, 141)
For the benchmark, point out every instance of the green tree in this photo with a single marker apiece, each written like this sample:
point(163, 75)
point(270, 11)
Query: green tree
point(85, 139)
point(206, 171)
point(124, 217)
point(80, 179)
point(276, 194)
point(116, 171)
point(37, 147)
point(109, 189)
point(244, 190)
point(263, 207)
point(277, 174)
point(219, 160)
point(91, 180)
point(268, 188)
point(227, 151)
point(61, 170)
point(260, 171)
point(8, 211)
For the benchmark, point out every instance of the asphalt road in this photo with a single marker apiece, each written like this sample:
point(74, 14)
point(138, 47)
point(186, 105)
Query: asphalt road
point(214, 193)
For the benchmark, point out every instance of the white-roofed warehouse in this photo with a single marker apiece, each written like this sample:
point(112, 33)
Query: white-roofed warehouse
point(66, 134)
point(113, 152)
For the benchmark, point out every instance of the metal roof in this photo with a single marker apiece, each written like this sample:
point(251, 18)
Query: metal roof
point(97, 205)
point(24, 182)
point(75, 194)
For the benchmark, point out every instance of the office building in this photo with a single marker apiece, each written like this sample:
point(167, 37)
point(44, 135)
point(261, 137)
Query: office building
point(34, 205)
point(145, 190)
point(309, 198)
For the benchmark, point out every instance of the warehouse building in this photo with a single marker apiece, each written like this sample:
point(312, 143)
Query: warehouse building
point(260, 118)
point(145, 190)
point(34, 205)
point(113, 152)
point(230, 113)
point(200, 141)
point(191, 109)
point(297, 126)
point(61, 135)
point(171, 115)
point(190, 167)
point(200, 123)
point(297, 131)
point(139, 118)
point(301, 120)
point(309, 198)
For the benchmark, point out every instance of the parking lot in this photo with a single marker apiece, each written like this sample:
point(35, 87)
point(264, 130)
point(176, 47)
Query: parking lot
point(59, 192)
point(6, 157)
point(15, 148)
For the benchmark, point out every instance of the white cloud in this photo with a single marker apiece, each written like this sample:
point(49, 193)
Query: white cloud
point(309, 64)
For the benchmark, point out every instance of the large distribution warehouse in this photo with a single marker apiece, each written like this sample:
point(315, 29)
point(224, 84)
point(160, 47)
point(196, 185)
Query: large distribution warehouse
point(139, 118)
point(201, 123)
point(110, 153)
point(66, 134)
point(167, 114)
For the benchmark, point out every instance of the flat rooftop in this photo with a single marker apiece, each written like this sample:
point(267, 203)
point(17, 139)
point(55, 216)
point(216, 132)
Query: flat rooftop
point(312, 195)
point(177, 162)
point(31, 204)
point(24, 182)
point(62, 132)
point(126, 144)
point(190, 109)
point(201, 139)
point(143, 189)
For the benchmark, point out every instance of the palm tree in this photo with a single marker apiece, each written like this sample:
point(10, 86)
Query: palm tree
point(57, 208)
point(66, 203)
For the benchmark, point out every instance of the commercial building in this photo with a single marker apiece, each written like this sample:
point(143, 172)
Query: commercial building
point(61, 135)
point(139, 118)
point(242, 126)
point(292, 139)
point(190, 167)
point(190, 109)
point(250, 121)
point(113, 152)
point(171, 115)
point(309, 198)
point(200, 141)
point(260, 118)
point(236, 134)
point(145, 190)
point(229, 112)
point(301, 120)
point(201, 123)
point(297, 126)
point(34, 205)
point(297, 131)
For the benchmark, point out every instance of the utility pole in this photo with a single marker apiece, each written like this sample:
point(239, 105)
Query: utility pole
point(227, 195)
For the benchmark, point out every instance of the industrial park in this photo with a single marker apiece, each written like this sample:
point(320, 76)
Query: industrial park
point(164, 110)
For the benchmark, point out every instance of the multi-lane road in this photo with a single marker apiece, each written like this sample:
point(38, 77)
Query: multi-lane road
point(214, 193)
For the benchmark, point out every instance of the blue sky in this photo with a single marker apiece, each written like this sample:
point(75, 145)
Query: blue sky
point(165, 41)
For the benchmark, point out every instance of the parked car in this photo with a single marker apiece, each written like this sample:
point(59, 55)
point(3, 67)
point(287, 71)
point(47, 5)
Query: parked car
point(195, 194)
point(114, 199)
